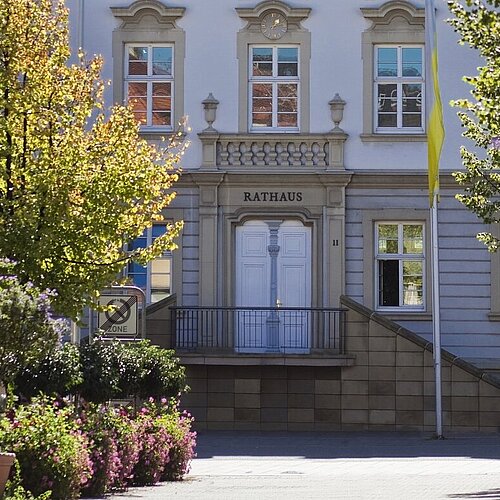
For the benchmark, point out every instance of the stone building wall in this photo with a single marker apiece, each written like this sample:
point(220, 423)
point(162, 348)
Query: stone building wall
point(389, 387)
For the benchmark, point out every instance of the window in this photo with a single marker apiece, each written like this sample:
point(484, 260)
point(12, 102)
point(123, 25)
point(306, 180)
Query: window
point(155, 278)
point(393, 73)
point(274, 88)
point(273, 78)
point(399, 87)
point(399, 256)
point(148, 64)
point(149, 84)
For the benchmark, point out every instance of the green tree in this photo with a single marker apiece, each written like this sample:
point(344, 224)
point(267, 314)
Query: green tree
point(76, 180)
point(478, 24)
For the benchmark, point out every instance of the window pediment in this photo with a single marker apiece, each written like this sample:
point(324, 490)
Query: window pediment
point(147, 12)
point(394, 15)
point(254, 15)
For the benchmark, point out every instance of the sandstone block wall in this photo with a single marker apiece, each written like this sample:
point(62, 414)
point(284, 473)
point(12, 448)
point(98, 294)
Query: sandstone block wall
point(389, 387)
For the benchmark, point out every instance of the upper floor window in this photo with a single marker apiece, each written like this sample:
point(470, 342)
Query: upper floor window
point(156, 277)
point(273, 77)
point(274, 88)
point(149, 83)
point(393, 73)
point(148, 64)
point(399, 256)
point(399, 88)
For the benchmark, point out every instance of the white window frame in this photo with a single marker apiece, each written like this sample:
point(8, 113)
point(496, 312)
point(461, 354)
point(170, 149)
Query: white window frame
point(274, 80)
point(149, 79)
point(399, 81)
point(166, 255)
point(400, 257)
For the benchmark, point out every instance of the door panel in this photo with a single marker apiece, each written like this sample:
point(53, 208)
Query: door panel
point(284, 330)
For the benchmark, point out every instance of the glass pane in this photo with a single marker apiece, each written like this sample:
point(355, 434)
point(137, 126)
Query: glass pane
point(388, 292)
point(157, 295)
point(158, 230)
point(412, 62)
point(134, 268)
point(287, 90)
point(260, 90)
point(287, 120)
point(387, 97)
point(162, 89)
point(139, 104)
point(288, 61)
point(160, 118)
point(412, 97)
point(262, 61)
point(387, 62)
point(136, 89)
point(413, 239)
point(160, 281)
point(388, 238)
point(139, 280)
point(138, 61)
point(262, 105)
point(162, 60)
point(160, 266)
point(287, 105)
point(412, 120)
point(412, 283)
point(141, 117)
point(388, 120)
point(262, 120)
point(161, 103)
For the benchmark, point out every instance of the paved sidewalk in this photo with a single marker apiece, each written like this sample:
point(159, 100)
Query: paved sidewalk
point(409, 466)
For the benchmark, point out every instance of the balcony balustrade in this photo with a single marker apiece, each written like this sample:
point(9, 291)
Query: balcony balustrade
point(285, 330)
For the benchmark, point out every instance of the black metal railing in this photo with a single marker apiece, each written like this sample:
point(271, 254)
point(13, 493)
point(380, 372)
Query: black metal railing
point(258, 329)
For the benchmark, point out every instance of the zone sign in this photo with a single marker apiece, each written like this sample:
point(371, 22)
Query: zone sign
point(122, 320)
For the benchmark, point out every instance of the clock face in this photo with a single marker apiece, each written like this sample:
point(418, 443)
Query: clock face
point(274, 25)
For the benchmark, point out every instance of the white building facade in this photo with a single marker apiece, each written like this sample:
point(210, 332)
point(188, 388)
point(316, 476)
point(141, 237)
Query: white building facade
point(303, 193)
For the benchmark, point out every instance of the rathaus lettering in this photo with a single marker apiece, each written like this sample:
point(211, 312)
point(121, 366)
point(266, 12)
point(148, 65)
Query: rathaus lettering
point(272, 196)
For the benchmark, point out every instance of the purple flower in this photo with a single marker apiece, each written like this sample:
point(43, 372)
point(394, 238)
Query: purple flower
point(495, 142)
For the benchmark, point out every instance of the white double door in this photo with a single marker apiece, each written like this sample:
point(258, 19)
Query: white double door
point(273, 268)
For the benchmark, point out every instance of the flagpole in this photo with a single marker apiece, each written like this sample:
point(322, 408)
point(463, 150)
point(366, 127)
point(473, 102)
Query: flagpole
point(435, 138)
point(436, 319)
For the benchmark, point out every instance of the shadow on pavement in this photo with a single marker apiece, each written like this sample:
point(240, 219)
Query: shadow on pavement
point(345, 445)
point(491, 494)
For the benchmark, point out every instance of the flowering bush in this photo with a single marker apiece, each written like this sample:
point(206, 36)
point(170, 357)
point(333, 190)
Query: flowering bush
point(183, 440)
point(98, 424)
point(128, 436)
point(27, 329)
point(156, 443)
point(51, 450)
point(15, 491)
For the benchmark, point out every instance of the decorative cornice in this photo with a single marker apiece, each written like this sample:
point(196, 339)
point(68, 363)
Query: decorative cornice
point(395, 8)
point(135, 11)
point(254, 15)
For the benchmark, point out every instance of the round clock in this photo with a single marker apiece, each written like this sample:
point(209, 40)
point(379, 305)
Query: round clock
point(274, 25)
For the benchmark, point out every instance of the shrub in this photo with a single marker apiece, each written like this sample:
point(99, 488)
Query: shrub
point(51, 450)
point(27, 329)
point(58, 373)
point(100, 362)
point(15, 491)
point(183, 443)
point(98, 424)
point(156, 443)
point(149, 370)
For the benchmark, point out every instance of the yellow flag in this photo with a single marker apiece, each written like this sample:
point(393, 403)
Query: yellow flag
point(435, 124)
